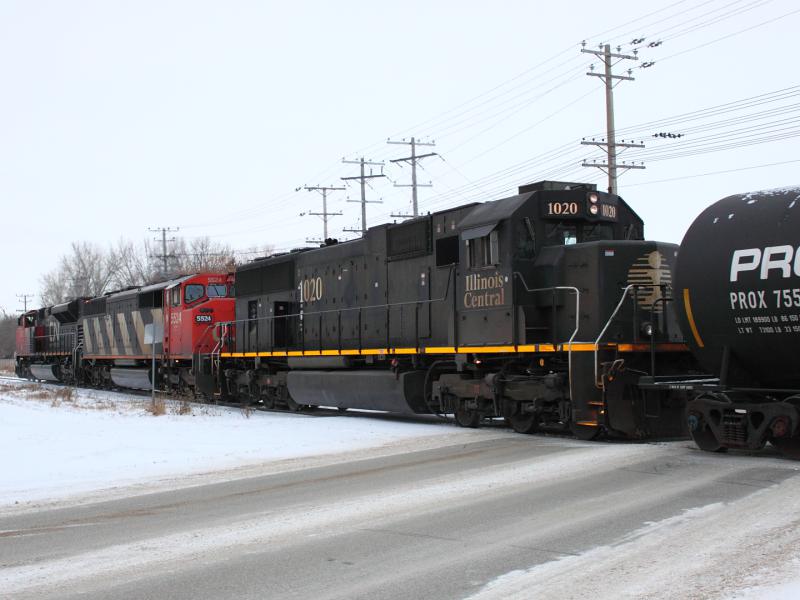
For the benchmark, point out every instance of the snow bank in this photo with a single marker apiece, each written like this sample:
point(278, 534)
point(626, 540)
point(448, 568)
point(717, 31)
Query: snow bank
point(744, 549)
point(51, 448)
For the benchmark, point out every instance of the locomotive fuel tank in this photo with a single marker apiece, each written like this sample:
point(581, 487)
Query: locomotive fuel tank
point(738, 283)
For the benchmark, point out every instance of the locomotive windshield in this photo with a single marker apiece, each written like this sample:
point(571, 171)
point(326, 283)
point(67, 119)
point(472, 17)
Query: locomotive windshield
point(561, 235)
point(217, 290)
point(193, 292)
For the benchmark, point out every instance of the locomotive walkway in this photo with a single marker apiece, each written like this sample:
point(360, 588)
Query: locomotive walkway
point(505, 516)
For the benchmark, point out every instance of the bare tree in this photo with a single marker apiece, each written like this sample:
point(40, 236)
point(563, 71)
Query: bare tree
point(202, 255)
point(8, 328)
point(86, 271)
point(134, 265)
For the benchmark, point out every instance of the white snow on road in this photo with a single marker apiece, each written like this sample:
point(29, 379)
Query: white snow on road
point(717, 551)
point(51, 449)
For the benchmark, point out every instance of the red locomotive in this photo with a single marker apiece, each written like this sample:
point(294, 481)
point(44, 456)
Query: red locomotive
point(108, 340)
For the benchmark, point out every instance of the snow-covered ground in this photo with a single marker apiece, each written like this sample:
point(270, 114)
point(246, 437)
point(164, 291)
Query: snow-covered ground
point(83, 445)
point(54, 447)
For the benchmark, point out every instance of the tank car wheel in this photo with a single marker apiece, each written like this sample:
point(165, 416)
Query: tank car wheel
point(702, 435)
point(584, 432)
point(466, 417)
point(519, 421)
point(789, 447)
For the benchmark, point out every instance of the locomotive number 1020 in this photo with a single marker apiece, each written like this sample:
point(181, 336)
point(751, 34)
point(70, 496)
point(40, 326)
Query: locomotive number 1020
point(311, 289)
point(562, 208)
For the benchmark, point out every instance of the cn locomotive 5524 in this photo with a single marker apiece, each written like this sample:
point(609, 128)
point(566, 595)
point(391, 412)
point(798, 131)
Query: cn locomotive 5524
point(545, 308)
point(109, 341)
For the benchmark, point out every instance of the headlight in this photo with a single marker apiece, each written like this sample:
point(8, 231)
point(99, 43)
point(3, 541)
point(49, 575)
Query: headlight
point(593, 197)
point(593, 209)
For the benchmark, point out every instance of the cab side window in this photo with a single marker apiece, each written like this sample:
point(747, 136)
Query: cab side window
point(193, 292)
point(483, 251)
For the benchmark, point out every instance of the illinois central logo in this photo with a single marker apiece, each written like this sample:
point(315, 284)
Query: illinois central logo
point(653, 278)
point(483, 291)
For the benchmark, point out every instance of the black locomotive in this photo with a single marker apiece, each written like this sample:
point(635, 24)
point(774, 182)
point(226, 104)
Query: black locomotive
point(546, 308)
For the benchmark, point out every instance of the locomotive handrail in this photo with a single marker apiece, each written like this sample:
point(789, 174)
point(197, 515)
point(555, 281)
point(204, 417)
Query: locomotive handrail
point(598, 381)
point(304, 315)
point(53, 342)
point(665, 323)
point(572, 337)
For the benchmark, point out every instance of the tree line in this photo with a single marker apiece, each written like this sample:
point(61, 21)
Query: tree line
point(89, 270)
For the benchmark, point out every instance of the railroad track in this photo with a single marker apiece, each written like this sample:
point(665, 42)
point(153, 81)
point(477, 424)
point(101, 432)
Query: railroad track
point(317, 411)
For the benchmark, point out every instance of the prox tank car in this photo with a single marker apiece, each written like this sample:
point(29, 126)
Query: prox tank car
point(738, 280)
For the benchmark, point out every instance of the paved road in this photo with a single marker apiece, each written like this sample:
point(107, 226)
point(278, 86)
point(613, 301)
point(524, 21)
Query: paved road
point(431, 524)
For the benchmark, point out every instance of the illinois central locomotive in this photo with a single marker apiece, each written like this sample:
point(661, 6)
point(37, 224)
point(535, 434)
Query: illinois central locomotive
point(544, 308)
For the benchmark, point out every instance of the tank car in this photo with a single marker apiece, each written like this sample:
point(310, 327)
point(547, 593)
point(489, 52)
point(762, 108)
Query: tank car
point(544, 308)
point(740, 306)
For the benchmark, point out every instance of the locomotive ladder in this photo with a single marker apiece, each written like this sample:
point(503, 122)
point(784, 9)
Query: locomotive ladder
point(215, 355)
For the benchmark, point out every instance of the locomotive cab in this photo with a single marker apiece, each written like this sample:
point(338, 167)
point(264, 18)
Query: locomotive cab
point(193, 306)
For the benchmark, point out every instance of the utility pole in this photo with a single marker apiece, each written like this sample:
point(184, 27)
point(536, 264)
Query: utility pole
point(324, 214)
point(363, 179)
point(24, 299)
point(413, 161)
point(610, 144)
point(164, 256)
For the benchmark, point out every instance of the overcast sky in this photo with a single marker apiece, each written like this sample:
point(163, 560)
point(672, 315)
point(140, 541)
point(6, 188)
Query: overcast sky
point(119, 116)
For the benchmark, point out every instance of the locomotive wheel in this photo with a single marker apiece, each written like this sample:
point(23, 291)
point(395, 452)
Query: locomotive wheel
point(466, 417)
point(789, 447)
point(519, 421)
point(584, 432)
point(293, 406)
point(702, 434)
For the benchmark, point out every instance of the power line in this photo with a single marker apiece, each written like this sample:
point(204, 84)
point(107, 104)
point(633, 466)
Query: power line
point(363, 180)
point(775, 164)
point(324, 214)
point(164, 256)
point(610, 144)
point(24, 299)
point(412, 160)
